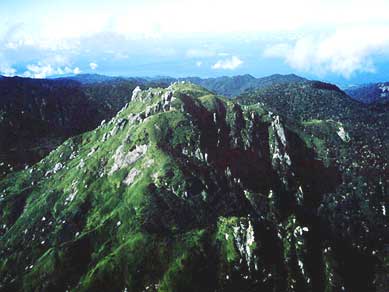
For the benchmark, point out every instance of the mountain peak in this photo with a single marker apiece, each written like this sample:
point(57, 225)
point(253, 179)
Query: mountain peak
point(173, 169)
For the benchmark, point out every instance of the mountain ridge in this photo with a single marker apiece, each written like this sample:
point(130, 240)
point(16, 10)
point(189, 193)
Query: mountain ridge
point(224, 85)
point(38, 114)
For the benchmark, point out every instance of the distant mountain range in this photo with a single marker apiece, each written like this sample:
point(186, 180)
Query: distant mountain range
point(370, 93)
point(233, 86)
point(226, 86)
point(236, 85)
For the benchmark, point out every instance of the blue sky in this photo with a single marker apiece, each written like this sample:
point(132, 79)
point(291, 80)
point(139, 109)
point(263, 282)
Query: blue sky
point(346, 42)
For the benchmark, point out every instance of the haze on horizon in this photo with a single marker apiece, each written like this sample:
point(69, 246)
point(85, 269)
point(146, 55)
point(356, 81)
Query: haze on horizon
point(340, 41)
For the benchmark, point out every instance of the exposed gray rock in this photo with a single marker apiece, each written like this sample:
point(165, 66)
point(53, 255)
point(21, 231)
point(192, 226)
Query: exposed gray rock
point(131, 176)
point(136, 94)
point(120, 125)
point(105, 137)
point(343, 134)
point(57, 167)
point(122, 159)
point(245, 239)
point(280, 158)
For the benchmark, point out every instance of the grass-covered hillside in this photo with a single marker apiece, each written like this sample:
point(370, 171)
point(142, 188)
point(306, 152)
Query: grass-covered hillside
point(187, 191)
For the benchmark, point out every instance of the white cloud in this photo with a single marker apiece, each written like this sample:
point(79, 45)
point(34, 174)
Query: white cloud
point(38, 71)
point(41, 70)
point(228, 64)
point(161, 28)
point(7, 70)
point(150, 19)
point(93, 66)
point(76, 71)
point(199, 63)
point(343, 52)
point(5, 67)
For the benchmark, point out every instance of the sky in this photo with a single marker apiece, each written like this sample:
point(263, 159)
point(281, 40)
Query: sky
point(345, 42)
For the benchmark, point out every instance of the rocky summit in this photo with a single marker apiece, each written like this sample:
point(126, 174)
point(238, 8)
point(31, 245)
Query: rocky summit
point(184, 190)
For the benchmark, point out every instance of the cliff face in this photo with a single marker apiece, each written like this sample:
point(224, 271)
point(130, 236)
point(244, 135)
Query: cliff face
point(184, 191)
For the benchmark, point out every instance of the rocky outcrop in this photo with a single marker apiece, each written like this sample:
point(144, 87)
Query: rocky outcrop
point(343, 134)
point(123, 159)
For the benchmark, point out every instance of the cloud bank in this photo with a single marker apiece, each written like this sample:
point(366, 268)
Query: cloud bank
point(343, 52)
point(45, 70)
point(5, 68)
point(150, 37)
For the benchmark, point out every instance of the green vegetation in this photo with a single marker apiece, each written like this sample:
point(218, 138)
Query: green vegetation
point(186, 191)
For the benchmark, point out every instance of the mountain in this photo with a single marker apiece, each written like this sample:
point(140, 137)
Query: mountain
point(304, 100)
point(186, 191)
point(90, 78)
point(37, 115)
point(369, 93)
point(226, 86)
point(318, 105)
point(104, 79)
point(233, 86)
point(322, 108)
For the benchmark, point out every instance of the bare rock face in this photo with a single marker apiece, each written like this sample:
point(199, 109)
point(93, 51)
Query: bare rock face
point(123, 159)
point(281, 160)
point(131, 176)
point(136, 94)
point(245, 242)
point(343, 134)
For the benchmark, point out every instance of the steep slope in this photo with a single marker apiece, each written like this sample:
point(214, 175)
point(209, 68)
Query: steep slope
point(327, 114)
point(38, 115)
point(183, 191)
point(370, 93)
point(313, 103)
